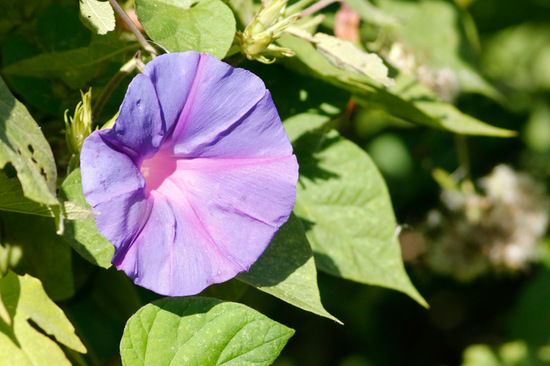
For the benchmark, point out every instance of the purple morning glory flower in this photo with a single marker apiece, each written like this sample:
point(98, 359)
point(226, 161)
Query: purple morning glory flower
point(196, 176)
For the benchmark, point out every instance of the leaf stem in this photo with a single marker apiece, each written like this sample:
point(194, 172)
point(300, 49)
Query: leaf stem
point(299, 5)
point(127, 68)
point(133, 27)
point(316, 7)
point(463, 156)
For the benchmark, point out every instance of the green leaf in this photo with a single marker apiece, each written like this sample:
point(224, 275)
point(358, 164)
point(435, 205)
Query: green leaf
point(435, 32)
point(344, 205)
point(412, 101)
point(46, 255)
point(346, 56)
point(83, 234)
point(21, 344)
point(99, 16)
point(74, 67)
point(408, 99)
point(243, 10)
point(287, 270)
point(201, 331)
point(24, 146)
point(12, 199)
point(206, 26)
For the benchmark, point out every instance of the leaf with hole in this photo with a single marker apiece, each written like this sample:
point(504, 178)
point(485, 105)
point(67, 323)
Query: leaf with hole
point(23, 145)
point(13, 199)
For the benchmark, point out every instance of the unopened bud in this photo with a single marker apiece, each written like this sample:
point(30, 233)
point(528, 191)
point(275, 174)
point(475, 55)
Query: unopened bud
point(78, 127)
point(267, 26)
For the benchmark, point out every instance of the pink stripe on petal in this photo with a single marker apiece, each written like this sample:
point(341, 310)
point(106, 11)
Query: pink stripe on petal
point(258, 133)
point(173, 75)
point(242, 202)
point(173, 254)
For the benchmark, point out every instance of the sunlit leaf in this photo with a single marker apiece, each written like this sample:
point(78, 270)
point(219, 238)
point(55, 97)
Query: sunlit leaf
point(21, 344)
point(344, 205)
point(99, 16)
point(201, 331)
point(345, 55)
point(408, 99)
point(206, 26)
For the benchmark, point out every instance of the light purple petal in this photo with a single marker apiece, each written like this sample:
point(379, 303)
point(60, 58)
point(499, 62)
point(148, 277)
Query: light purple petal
point(229, 114)
point(211, 220)
point(241, 202)
point(258, 133)
point(115, 188)
point(107, 172)
point(139, 129)
point(195, 178)
point(173, 75)
point(173, 255)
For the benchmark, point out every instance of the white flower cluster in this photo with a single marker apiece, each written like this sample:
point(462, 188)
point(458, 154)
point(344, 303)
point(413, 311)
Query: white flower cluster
point(497, 231)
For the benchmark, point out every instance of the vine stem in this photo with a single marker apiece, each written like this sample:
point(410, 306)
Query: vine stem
point(463, 156)
point(316, 7)
point(132, 27)
point(127, 68)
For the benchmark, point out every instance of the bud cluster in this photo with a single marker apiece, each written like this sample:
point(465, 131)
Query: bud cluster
point(267, 26)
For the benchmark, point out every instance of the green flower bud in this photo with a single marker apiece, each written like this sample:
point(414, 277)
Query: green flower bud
point(267, 25)
point(79, 127)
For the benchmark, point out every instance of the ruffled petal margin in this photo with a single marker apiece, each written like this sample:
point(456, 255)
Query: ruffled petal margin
point(115, 188)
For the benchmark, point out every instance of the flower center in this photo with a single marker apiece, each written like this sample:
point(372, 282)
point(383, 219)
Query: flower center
point(157, 169)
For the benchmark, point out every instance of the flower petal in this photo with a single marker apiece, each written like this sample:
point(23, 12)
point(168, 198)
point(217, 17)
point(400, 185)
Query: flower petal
point(106, 171)
point(258, 133)
point(229, 113)
point(115, 188)
point(139, 129)
point(211, 220)
point(242, 203)
point(172, 75)
point(173, 255)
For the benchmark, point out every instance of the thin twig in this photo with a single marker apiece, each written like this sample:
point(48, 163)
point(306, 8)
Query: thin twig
point(127, 68)
point(463, 155)
point(132, 27)
point(299, 5)
point(316, 7)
